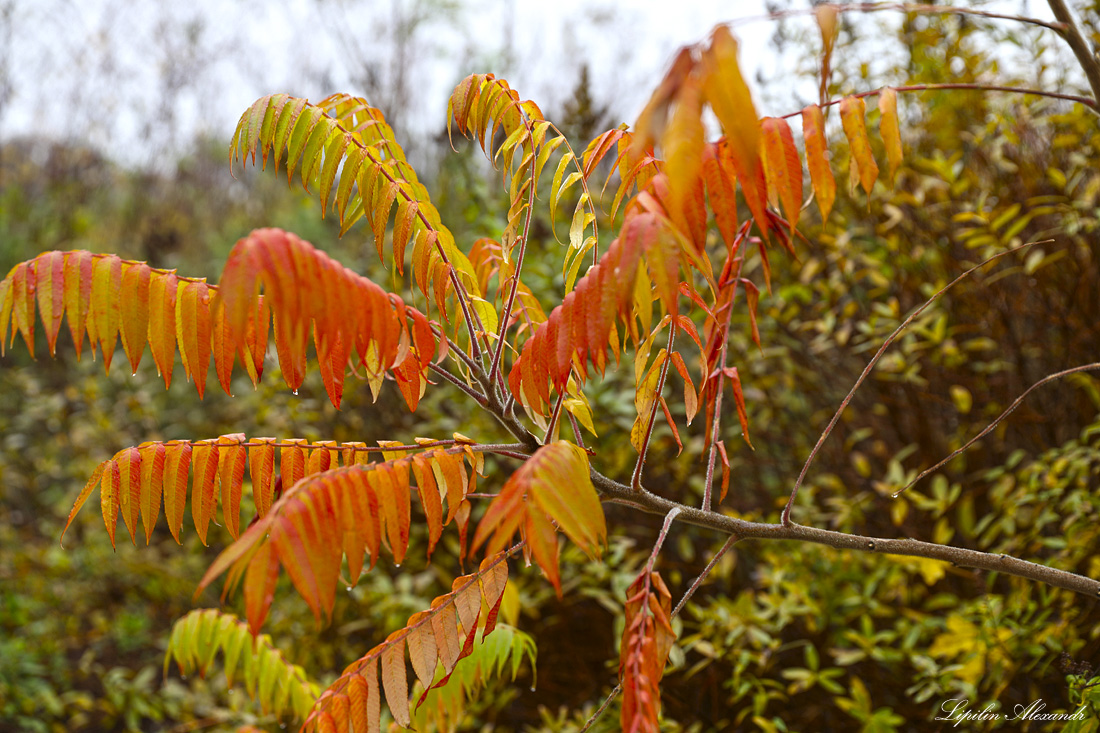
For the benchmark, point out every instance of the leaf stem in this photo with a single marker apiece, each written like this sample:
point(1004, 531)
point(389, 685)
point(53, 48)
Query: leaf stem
point(636, 479)
point(507, 314)
point(554, 418)
point(576, 429)
point(672, 514)
point(712, 453)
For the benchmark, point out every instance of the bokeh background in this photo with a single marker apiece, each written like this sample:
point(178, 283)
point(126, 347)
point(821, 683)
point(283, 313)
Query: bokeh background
point(114, 126)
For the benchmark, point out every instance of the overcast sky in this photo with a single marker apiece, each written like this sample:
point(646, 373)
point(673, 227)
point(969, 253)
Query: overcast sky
point(140, 78)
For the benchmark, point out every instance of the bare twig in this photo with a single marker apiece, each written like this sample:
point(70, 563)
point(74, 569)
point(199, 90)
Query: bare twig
point(1090, 103)
point(576, 429)
point(901, 7)
point(600, 710)
point(507, 314)
point(477, 396)
point(786, 516)
point(712, 454)
point(672, 514)
point(618, 493)
point(1000, 418)
point(1090, 62)
point(730, 542)
point(554, 417)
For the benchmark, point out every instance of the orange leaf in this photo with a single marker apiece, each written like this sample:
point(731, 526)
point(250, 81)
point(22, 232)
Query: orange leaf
point(261, 468)
point(428, 493)
point(422, 650)
point(152, 485)
point(203, 499)
point(821, 175)
point(863, 166)
point(739, 400)
point(691, 399)
point(193, 330)
point(729, 97)
point(129, 472)
point(782, 167)
point(292, 463)
point(97, 474)
point(109, 497)
point(105, 317)
point(177, 465)
point(394, 681)
point(363, 701)
point(682, 145)
point(134, 310)
point(259, 586)
point(163, 288)
point(721, 186)
point(542, 542)
point(232, 455)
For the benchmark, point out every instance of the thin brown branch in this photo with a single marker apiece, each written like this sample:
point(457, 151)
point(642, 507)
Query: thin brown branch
point(672, 514)
point(506, 316)
point(1000, 418)
point(618, 493)
point(554, 418)
point(712, 454)
point(730, 542)
point(600, 710)
point(577, 437)
point(900, 7)
point(470, 391)
point(1090, 62)
point(1090, 103)
point(786, 516)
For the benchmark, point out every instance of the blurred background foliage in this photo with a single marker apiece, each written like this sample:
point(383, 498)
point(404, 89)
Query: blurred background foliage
point(783, 636)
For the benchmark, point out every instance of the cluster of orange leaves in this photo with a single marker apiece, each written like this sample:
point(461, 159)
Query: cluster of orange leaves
point(106, 297)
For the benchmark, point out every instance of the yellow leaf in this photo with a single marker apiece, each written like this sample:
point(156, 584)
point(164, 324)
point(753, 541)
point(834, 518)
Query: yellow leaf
point(888, 128)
